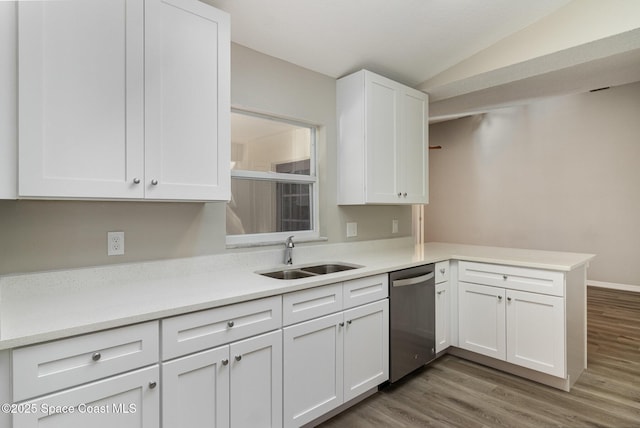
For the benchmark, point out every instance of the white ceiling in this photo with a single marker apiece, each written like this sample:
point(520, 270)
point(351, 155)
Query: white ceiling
point(412, 41)
point(407, 40)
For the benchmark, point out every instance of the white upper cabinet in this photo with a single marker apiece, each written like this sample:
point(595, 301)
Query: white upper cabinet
point(123, 99)
point(382, 141)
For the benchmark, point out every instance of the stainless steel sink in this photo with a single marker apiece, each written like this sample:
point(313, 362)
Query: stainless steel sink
point(308, 270)
point(287, 274)
point(328, 268)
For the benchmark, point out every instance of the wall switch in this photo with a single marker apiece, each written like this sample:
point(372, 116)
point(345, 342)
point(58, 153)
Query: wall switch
point(394, 226)
point(115, 243)
point(352, 230)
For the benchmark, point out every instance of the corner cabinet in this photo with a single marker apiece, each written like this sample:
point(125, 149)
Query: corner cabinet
point(123, 99)
point(382, 141)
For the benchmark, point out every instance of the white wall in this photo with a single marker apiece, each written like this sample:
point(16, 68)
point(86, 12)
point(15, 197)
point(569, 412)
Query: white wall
point(558, 174)
point(44, 235)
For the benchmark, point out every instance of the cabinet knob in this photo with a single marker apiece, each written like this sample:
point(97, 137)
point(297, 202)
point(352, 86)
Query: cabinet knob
point(508, 299)
point(341, 324)
point(136, 180)
point(399, 194)
point(152, 384)
point(154, 182)
point(404, 194)
point(442, 271)
point(439, 292)
point(225, 362)
point(96, 356)
point(349, 322)
point(505, 277)
point(230, 324)
point(238, 357)
point(499, 297)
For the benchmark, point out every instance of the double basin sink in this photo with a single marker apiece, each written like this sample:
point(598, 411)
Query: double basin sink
point(307, 271)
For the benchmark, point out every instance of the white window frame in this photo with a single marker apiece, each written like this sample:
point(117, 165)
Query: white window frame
point(256, 239)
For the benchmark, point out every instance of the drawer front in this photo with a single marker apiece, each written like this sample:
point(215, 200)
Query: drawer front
point(202, 330)
point(365, 290)
point(442, 272)
point(312, 303)
point(511, 277)
point(48, 367)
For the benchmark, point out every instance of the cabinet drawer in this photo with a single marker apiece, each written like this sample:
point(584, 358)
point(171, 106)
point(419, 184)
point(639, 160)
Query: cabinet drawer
point(515, 278)
point(442, 272)
point(40, 369)
point(312, 303)
point(365, 290)
point(198, 331)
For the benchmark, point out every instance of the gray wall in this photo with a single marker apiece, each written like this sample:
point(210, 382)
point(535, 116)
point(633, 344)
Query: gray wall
point(558, 174)
point(44, 235)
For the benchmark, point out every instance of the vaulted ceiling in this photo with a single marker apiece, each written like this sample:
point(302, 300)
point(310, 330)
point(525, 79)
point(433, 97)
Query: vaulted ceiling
point(467, 54)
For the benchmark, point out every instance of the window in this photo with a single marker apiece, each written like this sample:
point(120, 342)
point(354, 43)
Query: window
point(273, 180)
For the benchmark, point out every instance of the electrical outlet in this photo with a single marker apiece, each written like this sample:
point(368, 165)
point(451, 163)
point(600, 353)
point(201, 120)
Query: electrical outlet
point(115, 243)
point(394, 226)
point(352, 230)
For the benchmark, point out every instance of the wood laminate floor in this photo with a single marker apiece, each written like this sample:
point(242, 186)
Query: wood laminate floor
point(452, 392)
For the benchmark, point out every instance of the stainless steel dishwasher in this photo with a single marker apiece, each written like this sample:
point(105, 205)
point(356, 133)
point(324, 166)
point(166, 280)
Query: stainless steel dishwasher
point(412, 319)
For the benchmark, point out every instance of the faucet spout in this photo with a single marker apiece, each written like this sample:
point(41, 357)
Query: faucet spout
point(288, 251)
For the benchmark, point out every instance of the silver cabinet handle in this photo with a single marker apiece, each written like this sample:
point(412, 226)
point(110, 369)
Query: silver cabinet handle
point(442, 271)
point(238, 357)
point(154, 182)
point(152, 384)
point(413, 281)
point(96, 356)
point(399, 194)
point(225, 362)
point(136, 180)
point(499, 297)
point(404, 194)
point(230, 324)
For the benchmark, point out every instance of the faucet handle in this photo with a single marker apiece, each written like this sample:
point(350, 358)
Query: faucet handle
point(289, 242)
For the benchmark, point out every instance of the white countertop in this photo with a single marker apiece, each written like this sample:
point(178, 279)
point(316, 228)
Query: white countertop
point(43, 306)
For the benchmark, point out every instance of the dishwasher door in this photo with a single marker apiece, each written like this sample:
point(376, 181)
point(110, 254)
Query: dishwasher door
point(412, 319)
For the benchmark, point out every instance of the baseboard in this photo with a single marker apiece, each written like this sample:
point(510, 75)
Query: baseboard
point(614, 286)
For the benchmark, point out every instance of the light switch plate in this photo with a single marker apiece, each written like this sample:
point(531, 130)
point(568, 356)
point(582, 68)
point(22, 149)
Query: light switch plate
point(394, 226)
point(352, 230)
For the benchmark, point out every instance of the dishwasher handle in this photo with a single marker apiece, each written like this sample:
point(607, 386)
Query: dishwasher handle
point(413, 281)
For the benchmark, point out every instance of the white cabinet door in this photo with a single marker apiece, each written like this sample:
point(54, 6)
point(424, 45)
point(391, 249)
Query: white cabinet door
point(536, 332)
point(482, 319)
point(131, 400)
point(382, 141)
point(195, 390)
point(8, 101)
point(366, 348)
point(187, 99)
point(383, 98)
point(413, 160)
point(80, 98)
point(313, 369)
point(256, 382)
point(443, 313)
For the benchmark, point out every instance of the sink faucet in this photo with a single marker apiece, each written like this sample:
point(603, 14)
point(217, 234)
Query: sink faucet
point(288, 250)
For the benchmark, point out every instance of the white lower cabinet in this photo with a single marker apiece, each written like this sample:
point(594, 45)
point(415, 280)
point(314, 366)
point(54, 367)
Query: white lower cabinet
point(443, 316)
point(130, 400)
point(237, 385)
point(527, 329)
point(330, 360)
